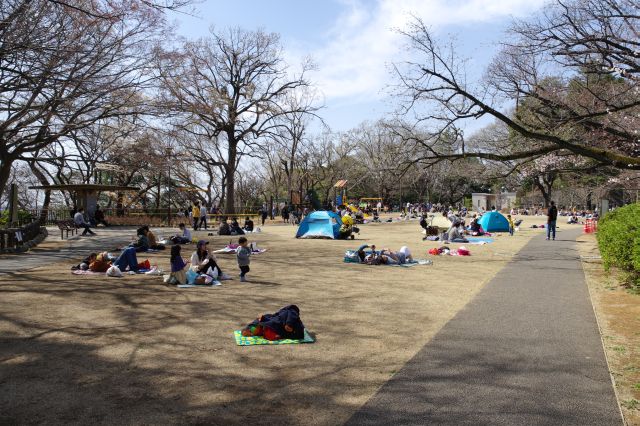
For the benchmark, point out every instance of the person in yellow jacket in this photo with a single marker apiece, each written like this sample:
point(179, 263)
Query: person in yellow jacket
point(195, 215)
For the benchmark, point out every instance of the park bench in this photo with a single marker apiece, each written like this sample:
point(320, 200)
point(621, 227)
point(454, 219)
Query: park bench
point(66, 226)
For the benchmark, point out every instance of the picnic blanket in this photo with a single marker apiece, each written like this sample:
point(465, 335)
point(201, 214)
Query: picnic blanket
point(259, 340)
point(234, 250)
point(87, 272)
point(474, 240)
point(212, 284)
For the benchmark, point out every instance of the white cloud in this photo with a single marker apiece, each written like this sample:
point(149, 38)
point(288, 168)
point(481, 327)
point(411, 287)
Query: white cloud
point(352, 63)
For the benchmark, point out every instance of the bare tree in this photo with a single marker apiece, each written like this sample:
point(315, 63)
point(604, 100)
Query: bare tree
point(232, 84)
point(591, 109)
point(62, 70)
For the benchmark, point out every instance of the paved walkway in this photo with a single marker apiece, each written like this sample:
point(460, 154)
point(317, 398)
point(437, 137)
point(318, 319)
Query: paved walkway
point(76, 247)
point(525, 351)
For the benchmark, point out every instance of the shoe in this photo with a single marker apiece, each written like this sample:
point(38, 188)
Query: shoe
point(547, 238)
point(225, 277)
point(243, 280)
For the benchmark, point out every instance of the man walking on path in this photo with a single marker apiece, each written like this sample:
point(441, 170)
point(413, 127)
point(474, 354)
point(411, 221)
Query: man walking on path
point(552, 215)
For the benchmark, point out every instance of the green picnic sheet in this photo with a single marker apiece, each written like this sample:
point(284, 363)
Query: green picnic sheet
point(259, 340)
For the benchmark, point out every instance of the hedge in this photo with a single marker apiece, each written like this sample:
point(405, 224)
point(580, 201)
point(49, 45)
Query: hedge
point(619, 240)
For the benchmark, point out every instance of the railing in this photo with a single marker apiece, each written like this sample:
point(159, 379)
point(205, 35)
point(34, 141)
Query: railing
point(14, 238)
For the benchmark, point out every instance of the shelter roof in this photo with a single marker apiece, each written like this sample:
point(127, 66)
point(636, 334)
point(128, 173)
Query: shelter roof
point(86, 187)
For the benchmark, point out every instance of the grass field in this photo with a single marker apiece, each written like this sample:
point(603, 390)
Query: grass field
point(93, 349)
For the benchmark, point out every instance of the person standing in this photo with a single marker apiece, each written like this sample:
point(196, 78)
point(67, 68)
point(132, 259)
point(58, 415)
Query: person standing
point(244, 258)
point(552, 215)
point(263, 214)
point(195, 215)
point(203, 216)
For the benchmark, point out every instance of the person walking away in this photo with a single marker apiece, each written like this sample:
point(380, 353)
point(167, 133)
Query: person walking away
point(263, 214)
point(203, 217)
point(552, 215)
point(244, 258)
point(195, 213)
point(511, 224)
point(78, 219)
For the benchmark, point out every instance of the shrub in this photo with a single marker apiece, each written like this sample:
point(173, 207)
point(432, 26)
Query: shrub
point(619, 241)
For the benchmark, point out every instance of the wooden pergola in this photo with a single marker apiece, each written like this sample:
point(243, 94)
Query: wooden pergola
point(86, 194)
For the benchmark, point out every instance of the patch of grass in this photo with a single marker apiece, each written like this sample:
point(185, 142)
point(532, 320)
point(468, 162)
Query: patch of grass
point(620, 349)
point(632, 369)
point(636, 386)
point(631, 404)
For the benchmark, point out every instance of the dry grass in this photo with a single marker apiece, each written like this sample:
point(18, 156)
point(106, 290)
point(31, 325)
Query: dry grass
point(618, 313)
point(105, 350)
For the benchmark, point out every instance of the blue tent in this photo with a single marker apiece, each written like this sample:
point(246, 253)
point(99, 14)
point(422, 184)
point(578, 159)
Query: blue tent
point(320, 224)
point(494, 222)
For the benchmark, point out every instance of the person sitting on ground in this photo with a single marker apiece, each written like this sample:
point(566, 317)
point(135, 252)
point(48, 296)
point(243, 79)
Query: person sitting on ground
point(99, 217)
point(454, 235)
point(78, 219)
point(248, 224)
point(153, 241)
point(572, 219)
point(362, 255)
point(284, 324)
point(224, 228)
point(184, 237)
point(143, 242)
point(178, 266)
point(204, 262)
point(235, 227)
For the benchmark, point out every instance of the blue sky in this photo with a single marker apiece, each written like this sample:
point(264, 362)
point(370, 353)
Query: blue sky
point(352, 42)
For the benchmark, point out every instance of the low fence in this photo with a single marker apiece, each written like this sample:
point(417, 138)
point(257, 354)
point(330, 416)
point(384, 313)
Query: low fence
point(21, 238)
point(137, 216)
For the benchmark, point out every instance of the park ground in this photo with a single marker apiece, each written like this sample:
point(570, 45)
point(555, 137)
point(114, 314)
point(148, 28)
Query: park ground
point(93, 349)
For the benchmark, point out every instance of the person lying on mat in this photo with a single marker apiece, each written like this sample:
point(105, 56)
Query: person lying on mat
point(400, 257)
point(284, 324)
point(101, 263)
point(204, 262)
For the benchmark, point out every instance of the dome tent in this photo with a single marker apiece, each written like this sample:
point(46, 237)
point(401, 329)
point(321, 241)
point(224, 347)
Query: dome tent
point(494, 222)
point(320, 224)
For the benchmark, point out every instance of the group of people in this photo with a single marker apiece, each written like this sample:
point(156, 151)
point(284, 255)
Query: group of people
point(203, 265)
point(384, 256)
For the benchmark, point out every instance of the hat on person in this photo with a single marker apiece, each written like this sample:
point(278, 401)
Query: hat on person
point(202, 243)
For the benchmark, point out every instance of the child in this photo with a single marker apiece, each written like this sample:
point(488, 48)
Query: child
point(178, 267)
point(244, 258)
point(511, 225)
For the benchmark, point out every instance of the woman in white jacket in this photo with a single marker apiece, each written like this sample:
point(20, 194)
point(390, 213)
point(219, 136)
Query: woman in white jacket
point(202, 260)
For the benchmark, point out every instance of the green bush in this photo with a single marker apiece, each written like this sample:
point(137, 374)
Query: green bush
point(23, 217)
point(619, 241)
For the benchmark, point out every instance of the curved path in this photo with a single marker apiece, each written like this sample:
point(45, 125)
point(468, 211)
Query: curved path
point(525, 351)
point(54, 250)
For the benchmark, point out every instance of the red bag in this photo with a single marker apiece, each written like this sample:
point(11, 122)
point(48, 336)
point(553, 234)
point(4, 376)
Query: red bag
point(434, 251)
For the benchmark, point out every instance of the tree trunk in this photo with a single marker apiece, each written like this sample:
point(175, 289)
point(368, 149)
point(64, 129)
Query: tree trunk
point(232, 154)
point(45, 208)
point(5, 172)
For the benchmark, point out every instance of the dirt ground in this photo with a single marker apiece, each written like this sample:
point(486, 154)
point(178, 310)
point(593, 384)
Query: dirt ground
point(618, 313)
point(131, 350)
